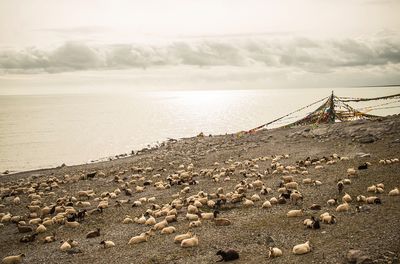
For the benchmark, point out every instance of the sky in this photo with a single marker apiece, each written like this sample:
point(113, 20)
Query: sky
point(211, 44)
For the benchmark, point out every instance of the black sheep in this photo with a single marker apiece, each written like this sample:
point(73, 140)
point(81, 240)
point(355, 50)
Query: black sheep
point(94, 233)
point(340, 186)
point(28, 238)
point(315, 224)
point(228, 255)
point(363, 166)
point(81, 215)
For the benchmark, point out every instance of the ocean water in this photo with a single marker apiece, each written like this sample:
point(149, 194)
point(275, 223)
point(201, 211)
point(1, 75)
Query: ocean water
point(46, 130)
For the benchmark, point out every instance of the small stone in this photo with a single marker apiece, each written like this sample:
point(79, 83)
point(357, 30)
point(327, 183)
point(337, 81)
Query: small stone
point(270, 240)
point(367, 139)
point(363, 155)
point(358, 257)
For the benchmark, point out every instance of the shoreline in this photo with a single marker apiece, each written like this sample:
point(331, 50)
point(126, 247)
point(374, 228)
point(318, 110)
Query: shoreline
point(146, 150)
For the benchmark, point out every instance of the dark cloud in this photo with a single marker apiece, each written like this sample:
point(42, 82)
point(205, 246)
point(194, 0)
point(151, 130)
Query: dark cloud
point(302, 53)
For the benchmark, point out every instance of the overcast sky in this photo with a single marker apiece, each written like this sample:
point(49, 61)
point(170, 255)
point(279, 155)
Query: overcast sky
point(284, 41)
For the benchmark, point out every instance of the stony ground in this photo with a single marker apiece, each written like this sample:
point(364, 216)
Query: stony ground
point(375, 232)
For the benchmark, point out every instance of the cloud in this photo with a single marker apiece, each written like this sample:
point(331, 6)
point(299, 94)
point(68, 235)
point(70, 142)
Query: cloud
point(75, 56)
point(305, 54)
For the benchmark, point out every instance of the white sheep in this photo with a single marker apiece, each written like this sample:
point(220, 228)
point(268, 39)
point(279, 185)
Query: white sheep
point(161, 225)
point(257, 184)
point(346, 198)
point(192, 209)
point(207, 216)
point(141, 220)
point(266, 204)
point(127, 220)
point(302, 248)
point(274, 252)
point(295, 213)
point(346, 181)
point(17, 200)
point(295, 197)
point(247, 202)
point(255, 198)
point(331, 202)
point(373, 200)
point(287, 179)
point(192, 217)
point(317, 183)
point(107, 243)
point(307, 181)
point(371, 188)
point(143, 237)
point(72, 224)
point(6, 218)
point(41, 229)
point(190, 242)
point(394, 192)
point(361, 199)
point(179, 238)
point(168, 230)
point(13, 259)
point(83, 204)
point(329, 219)
point(351, 172)
point(322, 215)
point(343, 207)
point(273, 200)
point(308, 222)
point(65, 246)
point(195, 224)
point(292, 185)
point(150, 221)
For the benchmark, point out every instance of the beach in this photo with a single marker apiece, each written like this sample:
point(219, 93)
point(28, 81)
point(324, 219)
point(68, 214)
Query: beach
point(374, 230)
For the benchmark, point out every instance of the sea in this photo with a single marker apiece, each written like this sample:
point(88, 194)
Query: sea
point(46, 129)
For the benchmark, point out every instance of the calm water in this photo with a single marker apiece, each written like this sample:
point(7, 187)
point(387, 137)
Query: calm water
point(39, 131)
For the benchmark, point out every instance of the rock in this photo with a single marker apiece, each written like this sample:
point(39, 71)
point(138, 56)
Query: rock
point(270, 240)
point(363, 155)
point(367, 139)
point(357, 257)
point(74, 251)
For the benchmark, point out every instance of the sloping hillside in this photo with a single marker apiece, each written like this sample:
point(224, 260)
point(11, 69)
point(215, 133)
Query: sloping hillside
point(180, 172)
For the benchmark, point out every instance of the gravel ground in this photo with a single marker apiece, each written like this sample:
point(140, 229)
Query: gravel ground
point(253, 230)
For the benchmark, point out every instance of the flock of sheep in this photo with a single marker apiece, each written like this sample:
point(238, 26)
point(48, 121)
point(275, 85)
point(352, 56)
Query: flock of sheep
point(40, 220)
